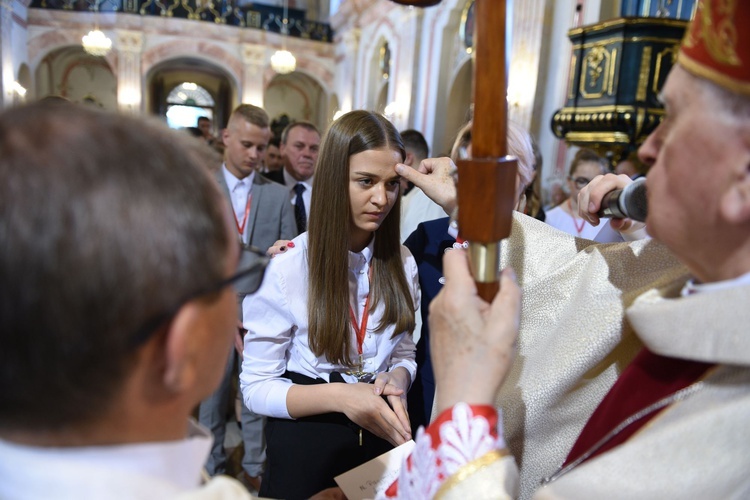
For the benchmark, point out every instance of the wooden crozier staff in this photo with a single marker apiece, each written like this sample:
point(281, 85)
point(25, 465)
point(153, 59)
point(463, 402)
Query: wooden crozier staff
point(487, 181)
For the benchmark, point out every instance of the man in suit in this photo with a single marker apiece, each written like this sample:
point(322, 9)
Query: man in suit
point(416, 207)
point(261, 216)
point(300, 142)
point(274, 161)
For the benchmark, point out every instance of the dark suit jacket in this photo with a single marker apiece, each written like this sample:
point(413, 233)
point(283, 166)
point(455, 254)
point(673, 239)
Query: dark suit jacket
point(276, 175)
point(271, 214)
point(427, 243)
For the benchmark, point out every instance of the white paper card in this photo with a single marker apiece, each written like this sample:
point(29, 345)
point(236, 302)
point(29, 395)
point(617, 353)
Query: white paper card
point(373, 477)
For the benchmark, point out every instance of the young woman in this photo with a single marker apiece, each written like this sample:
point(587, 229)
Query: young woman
point(329, 355)
point(585, 166)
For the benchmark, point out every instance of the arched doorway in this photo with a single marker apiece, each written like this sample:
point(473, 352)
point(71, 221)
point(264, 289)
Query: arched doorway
point(459, 103)
point(72, 73)
point(192, 83)
point(299, 97)
point(186, 103)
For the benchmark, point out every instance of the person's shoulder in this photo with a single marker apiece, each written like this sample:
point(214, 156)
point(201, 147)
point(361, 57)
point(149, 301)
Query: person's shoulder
point(219, 176)
point(270, 185)
point(295, 257)
point(435, 230)
point(557, 209)
point(555, 214)
point(429, 235)
point(435, 225)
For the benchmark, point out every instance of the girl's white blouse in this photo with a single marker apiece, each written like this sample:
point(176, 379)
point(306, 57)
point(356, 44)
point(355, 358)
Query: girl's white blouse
point(277, 330)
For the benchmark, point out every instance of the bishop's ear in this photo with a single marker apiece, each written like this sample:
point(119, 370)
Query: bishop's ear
point(735, 204)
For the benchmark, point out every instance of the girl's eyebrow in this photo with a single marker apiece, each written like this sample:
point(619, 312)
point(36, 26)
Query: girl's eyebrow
point(374, 176)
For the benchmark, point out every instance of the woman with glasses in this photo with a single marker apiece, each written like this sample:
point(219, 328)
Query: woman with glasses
point(585, 166)
point(329, 355)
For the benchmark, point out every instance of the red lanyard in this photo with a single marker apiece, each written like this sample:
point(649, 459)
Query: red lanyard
point(241, 227)
point(361, 329)
point(575, 220)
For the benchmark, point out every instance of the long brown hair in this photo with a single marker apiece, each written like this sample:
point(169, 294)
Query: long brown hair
point(329, 234)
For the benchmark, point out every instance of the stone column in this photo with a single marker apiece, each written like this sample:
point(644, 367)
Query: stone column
point(347, 60)
point(528, 27)
point(129, 81)
point(254, 61)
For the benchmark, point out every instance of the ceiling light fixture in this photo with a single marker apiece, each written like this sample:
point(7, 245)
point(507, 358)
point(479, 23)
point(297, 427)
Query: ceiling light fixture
point(96, 42)
point(283, 61)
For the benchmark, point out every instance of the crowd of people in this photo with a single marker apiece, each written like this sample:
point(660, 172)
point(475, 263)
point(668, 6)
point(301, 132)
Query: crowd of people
point(143, 284)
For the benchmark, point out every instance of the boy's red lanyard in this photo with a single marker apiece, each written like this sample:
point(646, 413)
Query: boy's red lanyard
point(241, 228)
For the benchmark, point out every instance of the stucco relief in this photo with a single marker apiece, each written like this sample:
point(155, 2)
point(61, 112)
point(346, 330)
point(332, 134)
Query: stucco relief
point(254, 54)
point(129, 41)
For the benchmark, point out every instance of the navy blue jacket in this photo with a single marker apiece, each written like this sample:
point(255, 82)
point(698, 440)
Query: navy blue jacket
point(427, 243)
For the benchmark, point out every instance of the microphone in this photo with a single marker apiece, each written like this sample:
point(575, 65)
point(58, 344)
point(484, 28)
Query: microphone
point(629, 202)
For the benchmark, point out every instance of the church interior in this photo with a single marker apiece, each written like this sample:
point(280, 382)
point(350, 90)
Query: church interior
point(581, 72)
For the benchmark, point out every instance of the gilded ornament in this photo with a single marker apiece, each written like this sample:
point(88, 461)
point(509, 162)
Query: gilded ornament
point(594, 61)
point(718, 33)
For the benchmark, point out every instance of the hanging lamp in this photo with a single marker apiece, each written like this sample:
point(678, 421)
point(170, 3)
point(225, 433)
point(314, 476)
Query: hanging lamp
point(96, 42)
point(283, 61)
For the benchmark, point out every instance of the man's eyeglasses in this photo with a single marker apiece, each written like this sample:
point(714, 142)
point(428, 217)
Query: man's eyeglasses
point(580, 182)
point(247, 280)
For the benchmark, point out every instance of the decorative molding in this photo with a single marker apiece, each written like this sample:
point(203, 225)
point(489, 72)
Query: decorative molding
point(129, 41)
point(253, 54)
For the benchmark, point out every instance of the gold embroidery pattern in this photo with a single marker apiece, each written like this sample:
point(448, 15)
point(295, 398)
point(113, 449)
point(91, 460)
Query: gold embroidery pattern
point(471, 468)
point(717, 31)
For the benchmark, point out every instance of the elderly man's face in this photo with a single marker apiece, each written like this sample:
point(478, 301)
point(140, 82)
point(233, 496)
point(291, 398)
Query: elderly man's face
point(696, 153)
point(301, 152)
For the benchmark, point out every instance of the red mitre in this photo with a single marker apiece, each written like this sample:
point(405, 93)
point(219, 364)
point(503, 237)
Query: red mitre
point(717, 44)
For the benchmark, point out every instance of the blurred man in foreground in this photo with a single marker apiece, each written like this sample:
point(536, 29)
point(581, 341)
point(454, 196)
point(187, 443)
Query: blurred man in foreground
point(117, 309)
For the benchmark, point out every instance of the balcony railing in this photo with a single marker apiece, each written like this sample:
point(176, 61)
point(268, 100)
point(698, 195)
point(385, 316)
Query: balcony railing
point(230, 12)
